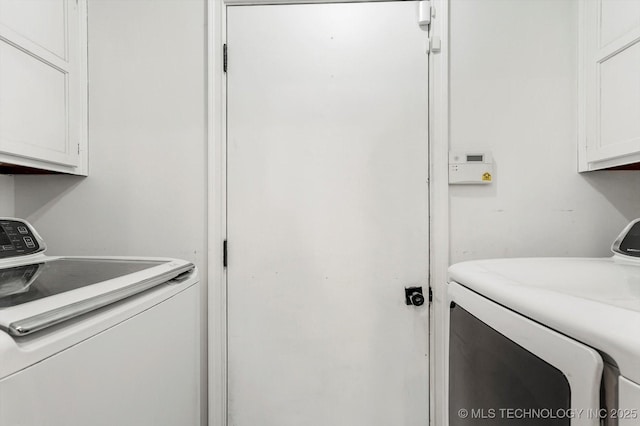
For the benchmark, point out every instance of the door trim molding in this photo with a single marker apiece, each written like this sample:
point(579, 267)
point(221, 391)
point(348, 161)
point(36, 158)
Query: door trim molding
point(217, 217)
point(439, 258)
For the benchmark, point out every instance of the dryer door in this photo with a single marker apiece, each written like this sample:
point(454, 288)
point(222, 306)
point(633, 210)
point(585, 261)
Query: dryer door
point(506, 369)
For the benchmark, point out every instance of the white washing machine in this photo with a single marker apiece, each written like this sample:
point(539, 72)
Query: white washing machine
point(88, 341)
point(546, 341)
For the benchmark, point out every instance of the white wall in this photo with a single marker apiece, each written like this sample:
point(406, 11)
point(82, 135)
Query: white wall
point(146, 190)
point(7, 196)
point(513, 86)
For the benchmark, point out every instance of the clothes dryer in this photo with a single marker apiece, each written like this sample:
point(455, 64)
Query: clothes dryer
point(546, 341)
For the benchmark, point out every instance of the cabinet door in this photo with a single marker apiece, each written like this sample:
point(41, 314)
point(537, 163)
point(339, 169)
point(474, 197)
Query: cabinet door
point(610, 32)
point(42, 84)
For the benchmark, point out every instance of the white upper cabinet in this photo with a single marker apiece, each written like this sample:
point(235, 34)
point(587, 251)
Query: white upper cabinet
point(43, 85)
point(609, 129)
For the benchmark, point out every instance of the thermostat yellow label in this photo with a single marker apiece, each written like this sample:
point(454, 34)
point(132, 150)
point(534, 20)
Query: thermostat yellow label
point(486, 177)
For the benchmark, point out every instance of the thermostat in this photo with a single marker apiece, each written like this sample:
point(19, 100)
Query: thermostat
point(470, 168)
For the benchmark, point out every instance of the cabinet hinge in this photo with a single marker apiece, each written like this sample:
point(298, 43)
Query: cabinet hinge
point(430, 295)
point(224, 57)
point(78, 149)
point(224, 253)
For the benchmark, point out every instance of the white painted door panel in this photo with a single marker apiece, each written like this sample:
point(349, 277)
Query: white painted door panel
point(42, 79)
point(41, 21)
point(610, 36)
point(33, 104)
point(327, 214)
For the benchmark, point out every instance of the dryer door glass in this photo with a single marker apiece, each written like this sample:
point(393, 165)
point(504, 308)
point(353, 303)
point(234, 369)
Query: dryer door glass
point(493, 380)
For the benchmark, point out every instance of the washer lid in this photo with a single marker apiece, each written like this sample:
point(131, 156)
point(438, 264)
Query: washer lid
point(595, 301)
point(34, 296)
point(26, 283)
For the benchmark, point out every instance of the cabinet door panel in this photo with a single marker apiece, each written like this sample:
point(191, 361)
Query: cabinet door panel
point(618, 18)
point(610, 83)
point(33, 101)
point(43, 84)
point(620, 97)
point(40, 21)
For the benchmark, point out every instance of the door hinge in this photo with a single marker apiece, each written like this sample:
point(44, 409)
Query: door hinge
point(224, 254)
point(224, 57)
point(430, 295)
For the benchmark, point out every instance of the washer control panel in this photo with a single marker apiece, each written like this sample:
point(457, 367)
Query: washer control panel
point(18, 238)
point(628, 242)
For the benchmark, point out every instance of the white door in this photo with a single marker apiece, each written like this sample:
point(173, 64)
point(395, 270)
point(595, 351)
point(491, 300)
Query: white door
point(327, 172)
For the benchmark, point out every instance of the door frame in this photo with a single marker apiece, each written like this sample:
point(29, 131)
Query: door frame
point(217, 217)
